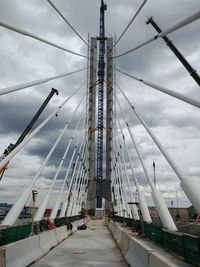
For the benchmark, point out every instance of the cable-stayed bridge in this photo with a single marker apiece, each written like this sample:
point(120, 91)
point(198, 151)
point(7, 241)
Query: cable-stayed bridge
point(100, 177)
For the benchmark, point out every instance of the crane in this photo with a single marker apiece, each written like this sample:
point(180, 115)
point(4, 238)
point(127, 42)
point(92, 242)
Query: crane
point(12, 146)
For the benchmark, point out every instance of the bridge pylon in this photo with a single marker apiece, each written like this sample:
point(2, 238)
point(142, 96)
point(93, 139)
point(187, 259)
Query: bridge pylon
point(92, 128)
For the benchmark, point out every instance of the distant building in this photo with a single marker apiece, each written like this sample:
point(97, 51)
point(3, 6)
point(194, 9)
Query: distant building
point(5, 207)
point(181, 213)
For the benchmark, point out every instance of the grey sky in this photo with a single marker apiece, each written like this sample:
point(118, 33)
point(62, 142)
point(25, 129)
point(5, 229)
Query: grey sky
point(23, 59)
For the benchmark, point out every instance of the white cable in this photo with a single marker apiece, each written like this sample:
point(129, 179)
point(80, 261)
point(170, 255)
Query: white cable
point(129, 24)
point(18, 87)
point(162, 89)
point(26, 33)
point(171, 29)
point(36, 130)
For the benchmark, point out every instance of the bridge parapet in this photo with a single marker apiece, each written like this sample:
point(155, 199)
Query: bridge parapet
point(183, 245)
point(16, 233)
point(25, 251)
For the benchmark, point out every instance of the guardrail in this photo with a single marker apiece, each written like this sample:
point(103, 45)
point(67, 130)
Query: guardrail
point(15, 233)
point(185, 245)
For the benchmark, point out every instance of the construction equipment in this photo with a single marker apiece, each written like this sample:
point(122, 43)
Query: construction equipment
point(11, 147)
point(193, 73)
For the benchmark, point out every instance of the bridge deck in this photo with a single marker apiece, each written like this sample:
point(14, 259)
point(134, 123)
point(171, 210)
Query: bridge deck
point(92, 247)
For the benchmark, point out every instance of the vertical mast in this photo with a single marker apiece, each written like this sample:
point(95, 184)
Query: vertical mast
point(101, 74)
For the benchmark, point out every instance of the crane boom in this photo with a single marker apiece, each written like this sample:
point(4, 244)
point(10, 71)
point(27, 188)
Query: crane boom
point(26, 131)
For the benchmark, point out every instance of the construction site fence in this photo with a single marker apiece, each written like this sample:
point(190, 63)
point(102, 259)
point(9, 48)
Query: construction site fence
point(185, 245)
point(15, 233)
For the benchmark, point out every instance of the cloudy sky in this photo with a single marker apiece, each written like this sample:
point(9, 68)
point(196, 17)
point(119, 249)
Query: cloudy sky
point(23, 59)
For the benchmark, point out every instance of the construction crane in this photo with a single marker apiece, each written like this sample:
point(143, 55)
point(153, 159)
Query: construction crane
point(193, 73)
point(11, 147)
point(101, 74)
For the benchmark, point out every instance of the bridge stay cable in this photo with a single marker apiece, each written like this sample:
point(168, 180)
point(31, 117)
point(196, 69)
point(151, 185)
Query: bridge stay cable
point(78, 163)
point(169, 30)
point(68, 23)
point(38, 128)
point(122, 181)
point(66, 203)
point(161, 206)
point(80, 186)
point(189, 186)
point(142, 201)
point(59, 198)
point(119, 173)
point(41, 209)
point(120, 188)
point(43, 40)
point(165, 90)
point(67, 195)
point(129, 24)
point(117, 191)
point(76, 179)
point(14, 212)
point(134, 210)
point(18, 87)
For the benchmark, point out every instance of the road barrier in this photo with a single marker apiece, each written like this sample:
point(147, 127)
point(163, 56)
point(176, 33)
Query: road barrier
point(24, 252)
point(185, 245)
point(16, 233)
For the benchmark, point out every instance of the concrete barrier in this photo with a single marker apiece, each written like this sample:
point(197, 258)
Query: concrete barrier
point(141, 253)
point(23, 252)
point(158, 260)
point(31, 249)
point(47, 240)
point(123, 242)
point(138, 254)
point(61, 233)
point(2, 257)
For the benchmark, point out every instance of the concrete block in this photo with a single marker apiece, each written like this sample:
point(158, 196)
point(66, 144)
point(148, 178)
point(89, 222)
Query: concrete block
point(2, 258)
point(114, 226)
point(47, 240)
point(124, 243)
point(61, 233)
point(23, 252)
point(158, 260)
point(138, 253)
point(114, 229)
point(28, 250)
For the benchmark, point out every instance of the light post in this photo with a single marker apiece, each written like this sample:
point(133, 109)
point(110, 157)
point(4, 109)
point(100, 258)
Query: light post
point(34, 194)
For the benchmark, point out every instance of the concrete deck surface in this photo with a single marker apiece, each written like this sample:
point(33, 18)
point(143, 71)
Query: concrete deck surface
point(87, 248)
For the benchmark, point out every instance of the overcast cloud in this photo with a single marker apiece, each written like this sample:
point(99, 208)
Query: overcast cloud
point(23, 59)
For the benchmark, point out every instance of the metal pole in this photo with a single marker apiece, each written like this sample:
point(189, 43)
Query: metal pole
point(34, 193)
